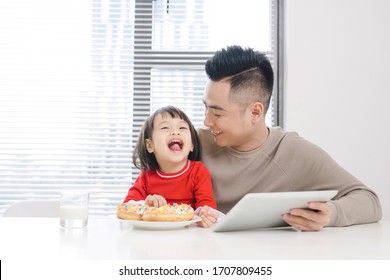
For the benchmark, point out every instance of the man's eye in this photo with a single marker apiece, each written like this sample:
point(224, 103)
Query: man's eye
point(216, 113)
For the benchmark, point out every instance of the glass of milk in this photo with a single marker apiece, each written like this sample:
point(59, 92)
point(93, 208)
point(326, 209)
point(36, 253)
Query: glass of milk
point(74, 209)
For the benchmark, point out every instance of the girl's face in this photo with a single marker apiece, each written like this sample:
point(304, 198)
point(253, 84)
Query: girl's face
point(170, 142)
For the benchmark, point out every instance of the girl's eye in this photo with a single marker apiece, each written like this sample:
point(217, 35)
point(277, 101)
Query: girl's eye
point(184, 128)
point(164, 128)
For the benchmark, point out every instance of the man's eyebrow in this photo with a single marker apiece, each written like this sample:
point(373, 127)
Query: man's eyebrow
point(215, 107)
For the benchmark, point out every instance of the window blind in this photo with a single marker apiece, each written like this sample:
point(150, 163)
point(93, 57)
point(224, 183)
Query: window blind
point(78, 79)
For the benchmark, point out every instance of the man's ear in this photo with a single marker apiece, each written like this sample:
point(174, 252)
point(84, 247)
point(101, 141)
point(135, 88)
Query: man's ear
point(257, 110)
point(149, 145)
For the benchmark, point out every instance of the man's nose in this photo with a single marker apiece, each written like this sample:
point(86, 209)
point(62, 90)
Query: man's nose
point(207, 120)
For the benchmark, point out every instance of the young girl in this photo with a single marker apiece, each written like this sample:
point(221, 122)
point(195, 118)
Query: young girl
point(168, 153)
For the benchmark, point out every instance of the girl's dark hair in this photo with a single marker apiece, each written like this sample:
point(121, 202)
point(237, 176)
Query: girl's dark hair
point(142, 159)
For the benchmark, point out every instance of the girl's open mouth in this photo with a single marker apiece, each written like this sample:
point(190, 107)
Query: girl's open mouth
point(175, 145)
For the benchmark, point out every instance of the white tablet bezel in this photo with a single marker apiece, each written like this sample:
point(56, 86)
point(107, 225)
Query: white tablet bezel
point(265, 210)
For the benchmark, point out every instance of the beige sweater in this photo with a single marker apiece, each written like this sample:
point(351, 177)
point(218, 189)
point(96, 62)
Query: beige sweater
point(287, 162)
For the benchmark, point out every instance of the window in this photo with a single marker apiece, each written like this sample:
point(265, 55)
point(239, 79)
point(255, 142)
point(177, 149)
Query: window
point(78, 78)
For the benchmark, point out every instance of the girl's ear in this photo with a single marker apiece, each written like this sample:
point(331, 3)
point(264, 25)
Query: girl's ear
point(149, 145)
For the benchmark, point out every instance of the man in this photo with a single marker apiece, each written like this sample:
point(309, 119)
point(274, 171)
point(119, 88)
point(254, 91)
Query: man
point(243, 155)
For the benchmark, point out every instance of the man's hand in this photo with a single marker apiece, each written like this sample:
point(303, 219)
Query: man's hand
point(314, 218)
point(155, 200)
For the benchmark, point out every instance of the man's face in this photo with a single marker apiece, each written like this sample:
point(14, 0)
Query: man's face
point(230, 124)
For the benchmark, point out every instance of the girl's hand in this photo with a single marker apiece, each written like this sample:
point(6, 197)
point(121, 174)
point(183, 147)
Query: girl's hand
point(155, 200)
point(209, 216)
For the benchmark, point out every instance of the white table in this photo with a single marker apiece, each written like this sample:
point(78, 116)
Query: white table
point(111, 239)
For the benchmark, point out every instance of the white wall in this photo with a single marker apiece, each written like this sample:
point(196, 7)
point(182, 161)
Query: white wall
point(337, 84)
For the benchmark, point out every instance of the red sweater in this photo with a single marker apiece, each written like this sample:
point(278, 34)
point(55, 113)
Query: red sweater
point(191, 185)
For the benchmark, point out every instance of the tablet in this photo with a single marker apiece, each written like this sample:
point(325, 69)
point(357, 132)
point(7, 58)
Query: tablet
point(265, 210)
